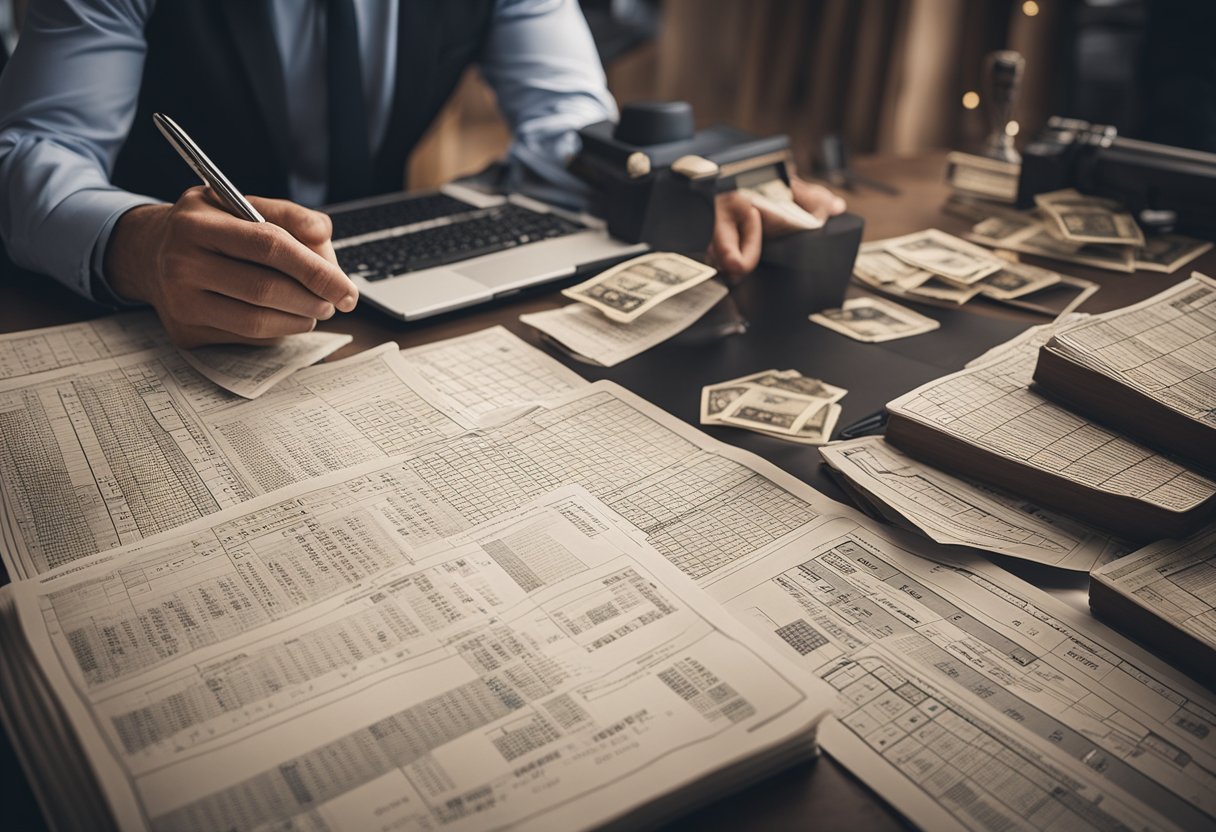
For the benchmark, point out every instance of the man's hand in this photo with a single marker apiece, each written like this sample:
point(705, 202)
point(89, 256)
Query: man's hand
point(739, 226)
point(217, 279)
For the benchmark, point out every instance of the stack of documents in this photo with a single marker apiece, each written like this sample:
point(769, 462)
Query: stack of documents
point(986, 423)
point(1147, 369)
point(983, 178)
point(894, 487)
point(1165, 596)
point(361, 606)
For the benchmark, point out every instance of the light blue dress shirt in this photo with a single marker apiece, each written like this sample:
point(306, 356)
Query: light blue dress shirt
point(69, 94)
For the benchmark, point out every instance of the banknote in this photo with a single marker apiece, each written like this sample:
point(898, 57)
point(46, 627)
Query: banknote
point(1169, 252)
point(876, 265)
point(1017, 279)
point(715, 398)
point(1089, 219)
point(791, 381)
point(774, 197)
point(629, 290)
point(816, 405)
point(874, 320)
point(817, 430)
point(994, 230)
point(1034, 238)
point(772, 411)
point(942, 290)
point(943, 254)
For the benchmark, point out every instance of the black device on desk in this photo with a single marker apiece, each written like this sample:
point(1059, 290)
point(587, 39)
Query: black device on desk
point(1156, 182)
point(656, 177)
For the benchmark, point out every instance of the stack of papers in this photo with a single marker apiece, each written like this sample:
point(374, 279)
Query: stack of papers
point(402, 615)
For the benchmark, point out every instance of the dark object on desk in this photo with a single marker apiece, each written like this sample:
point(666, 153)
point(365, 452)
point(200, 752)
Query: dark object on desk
point(814, 266)
point(1002, 79)
point(870, 425)
point(1142, 175)
point(833, 165)
point(643, 193)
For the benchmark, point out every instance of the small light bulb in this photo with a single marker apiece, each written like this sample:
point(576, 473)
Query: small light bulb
point(1011, 129)
point(1030, 8)
point(971, 99)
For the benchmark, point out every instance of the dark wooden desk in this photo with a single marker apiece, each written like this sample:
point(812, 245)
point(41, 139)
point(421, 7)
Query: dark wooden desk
point(820, 793)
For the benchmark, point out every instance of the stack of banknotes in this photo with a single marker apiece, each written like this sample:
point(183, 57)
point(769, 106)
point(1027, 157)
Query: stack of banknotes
point(783, 404)
point(935, 266)
point(1086, 230)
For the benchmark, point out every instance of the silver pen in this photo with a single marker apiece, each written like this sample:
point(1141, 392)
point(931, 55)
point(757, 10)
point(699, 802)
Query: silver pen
point(211, 175)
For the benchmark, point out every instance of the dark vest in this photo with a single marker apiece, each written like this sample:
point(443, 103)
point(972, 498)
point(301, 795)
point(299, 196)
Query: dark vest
point(212, 65)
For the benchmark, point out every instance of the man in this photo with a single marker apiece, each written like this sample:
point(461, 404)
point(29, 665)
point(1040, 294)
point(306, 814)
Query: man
point(306, 101)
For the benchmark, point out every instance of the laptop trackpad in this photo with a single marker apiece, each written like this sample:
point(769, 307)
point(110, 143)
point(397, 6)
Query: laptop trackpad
point(429, 292)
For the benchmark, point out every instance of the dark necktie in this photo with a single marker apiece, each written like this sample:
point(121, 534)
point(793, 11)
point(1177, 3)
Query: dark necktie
point(350, 156)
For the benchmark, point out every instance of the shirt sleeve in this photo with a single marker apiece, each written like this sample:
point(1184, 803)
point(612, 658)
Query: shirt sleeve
point(67, 99)
point(543, 66)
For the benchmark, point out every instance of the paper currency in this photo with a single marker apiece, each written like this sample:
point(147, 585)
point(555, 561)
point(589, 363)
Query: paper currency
point(780, 403)
point(591, 337)
point(1032, 237)
point(938, 289)
point(771, 410)
point(1017, 279)
point(1088, 219)
point(1169, 252)
point(775, 197)
point(631, 289)
point(874, 320)
point(944, 254)
point(877, 266)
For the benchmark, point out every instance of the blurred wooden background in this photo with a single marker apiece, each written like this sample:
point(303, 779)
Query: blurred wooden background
point(887, 75)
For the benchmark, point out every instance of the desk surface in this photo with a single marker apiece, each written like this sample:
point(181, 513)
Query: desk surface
point(672, 375)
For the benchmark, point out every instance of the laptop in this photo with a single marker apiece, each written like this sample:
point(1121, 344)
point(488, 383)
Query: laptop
point(417, 255)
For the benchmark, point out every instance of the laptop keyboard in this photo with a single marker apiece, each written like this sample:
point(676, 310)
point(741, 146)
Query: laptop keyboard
point(358, 221)
point(490, 230)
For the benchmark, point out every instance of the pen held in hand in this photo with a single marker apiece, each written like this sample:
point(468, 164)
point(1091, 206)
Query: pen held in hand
point(232, 199)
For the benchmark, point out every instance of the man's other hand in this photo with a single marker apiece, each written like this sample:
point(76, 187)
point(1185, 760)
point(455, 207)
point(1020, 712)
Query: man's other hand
point(217, 279)
point(739, 226)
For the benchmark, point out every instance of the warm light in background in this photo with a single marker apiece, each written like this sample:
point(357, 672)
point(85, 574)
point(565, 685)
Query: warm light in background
point(971, 99)
point(1030, 8)
point(1011, 129)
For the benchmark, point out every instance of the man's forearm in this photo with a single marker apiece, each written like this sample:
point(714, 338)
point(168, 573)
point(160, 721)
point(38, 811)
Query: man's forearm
point(57, 210)
point(66, 101)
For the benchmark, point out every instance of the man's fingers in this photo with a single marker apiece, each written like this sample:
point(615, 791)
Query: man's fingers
point(312, 228)
point(273, 246)
point(737, 234)
point(816, 199)
point(751, 232)
point(260, 286)
point(245, 320)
